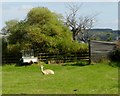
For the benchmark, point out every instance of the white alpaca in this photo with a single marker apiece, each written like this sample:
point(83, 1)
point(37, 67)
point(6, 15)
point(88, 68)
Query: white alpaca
point(47, 71)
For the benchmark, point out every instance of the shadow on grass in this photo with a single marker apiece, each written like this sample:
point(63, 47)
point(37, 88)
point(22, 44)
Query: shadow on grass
point(77, 64)
point(22, 64)
point(114, 64)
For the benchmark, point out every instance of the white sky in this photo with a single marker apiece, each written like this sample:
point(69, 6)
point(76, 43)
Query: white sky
point(108, 17)
point(59, 1)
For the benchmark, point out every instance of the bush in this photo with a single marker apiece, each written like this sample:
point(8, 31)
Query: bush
point(114, 64)
point(12, 54)
point(115, 55)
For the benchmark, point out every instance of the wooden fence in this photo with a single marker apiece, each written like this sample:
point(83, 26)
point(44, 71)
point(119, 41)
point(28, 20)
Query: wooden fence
point(51, 58)
point(63, 57)
point(98, 50)
point(101, 50)
point(9, 59)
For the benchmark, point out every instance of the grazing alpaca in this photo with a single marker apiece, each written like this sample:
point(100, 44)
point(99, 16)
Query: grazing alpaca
point(47, 71)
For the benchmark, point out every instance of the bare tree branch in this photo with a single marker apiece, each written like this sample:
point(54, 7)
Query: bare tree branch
point(78, 24)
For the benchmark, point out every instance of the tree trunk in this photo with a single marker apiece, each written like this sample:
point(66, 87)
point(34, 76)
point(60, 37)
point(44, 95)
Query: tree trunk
point(74, 36)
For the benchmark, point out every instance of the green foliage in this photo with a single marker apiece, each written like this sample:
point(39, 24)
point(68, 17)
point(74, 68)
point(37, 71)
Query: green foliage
point(18, 33)
point(13, 49)
point(13, 53)
point(115, 55)
point(114, 64)
point(43, 31)
point(39, 16)
point(9, 24)
point(102, 34)
point(4, 45)
point(109, 37)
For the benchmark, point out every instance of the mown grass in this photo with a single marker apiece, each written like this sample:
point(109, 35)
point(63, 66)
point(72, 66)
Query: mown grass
point(68, 79)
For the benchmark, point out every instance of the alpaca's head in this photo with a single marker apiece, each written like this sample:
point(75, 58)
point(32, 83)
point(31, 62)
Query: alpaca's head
point(42, 66)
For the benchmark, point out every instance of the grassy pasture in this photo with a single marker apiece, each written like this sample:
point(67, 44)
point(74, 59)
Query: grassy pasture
point(68, 79)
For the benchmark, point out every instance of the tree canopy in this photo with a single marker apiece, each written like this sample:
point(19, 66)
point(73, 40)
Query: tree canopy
point(9, 25)
point(43, 31)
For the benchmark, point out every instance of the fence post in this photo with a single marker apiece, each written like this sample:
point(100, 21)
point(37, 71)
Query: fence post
point(89, 44)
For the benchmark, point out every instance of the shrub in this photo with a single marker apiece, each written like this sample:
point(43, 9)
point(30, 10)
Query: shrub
point(114, 64)
point(12, 54)
point(115, 55)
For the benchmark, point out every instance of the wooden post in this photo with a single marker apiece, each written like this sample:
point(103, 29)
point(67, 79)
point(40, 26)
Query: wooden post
point(89, 44)
point(40, 57)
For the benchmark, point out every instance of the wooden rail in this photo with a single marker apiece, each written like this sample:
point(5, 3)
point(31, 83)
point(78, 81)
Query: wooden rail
point(63, 57)
point(101, 50)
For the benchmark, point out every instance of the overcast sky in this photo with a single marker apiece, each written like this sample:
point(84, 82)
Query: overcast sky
point(107, 11)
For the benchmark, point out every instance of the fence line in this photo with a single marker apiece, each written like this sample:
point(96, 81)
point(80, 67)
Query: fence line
point(63, 57)
point(54, 58)
point(9, 59)
point(97, 50)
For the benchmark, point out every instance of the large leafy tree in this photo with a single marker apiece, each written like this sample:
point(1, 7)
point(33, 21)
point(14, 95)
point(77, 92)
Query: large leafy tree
point(43, 31)
point(9, 25)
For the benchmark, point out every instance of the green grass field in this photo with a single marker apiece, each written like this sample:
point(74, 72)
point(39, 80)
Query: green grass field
point(68, 79)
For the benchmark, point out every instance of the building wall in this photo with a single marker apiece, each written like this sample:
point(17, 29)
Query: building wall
point(100, 50)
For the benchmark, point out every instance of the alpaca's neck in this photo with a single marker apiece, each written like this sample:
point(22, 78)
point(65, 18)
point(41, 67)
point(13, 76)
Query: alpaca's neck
point(42, 69)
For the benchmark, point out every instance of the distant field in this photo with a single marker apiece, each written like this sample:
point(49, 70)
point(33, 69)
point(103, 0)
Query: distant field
point(68, 79)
